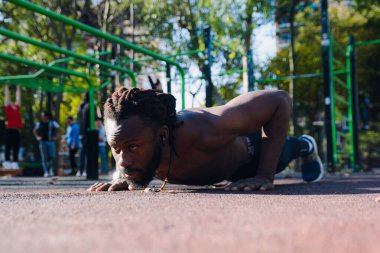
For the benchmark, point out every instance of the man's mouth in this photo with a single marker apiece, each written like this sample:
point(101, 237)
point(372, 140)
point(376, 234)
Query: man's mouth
point(132, 175)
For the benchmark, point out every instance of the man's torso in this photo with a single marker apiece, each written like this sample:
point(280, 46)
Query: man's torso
point(204, 156)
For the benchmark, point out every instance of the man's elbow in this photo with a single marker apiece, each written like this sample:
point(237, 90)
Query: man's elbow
point(284, 101)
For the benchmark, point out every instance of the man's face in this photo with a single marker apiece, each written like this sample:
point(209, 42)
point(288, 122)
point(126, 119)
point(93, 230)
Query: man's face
point(44, 118)
point(136, 149)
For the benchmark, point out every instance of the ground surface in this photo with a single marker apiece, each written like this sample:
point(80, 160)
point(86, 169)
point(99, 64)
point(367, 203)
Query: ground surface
point(338, 214)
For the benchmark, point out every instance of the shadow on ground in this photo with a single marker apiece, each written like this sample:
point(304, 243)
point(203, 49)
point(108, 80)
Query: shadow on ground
point(356, 184)
point(330, 185)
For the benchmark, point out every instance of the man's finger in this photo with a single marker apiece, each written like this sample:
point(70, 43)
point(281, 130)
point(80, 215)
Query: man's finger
point(93, 187)
point(121, 186)
point(103, 187)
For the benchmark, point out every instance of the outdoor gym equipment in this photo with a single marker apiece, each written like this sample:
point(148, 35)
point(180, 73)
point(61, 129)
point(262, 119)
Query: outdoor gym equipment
point(98, 33)
point(92, 134)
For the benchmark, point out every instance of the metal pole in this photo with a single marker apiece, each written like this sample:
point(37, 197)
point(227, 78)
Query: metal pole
point(251, 74)
point(113, 61)
point(168, 78)
point(327, 81)
point(332, 93)
point(209, 84)
point(355, 106)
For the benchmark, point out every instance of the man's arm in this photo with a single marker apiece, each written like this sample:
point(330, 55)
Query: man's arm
point(6, 96)
point(18, 96)
point(248, 113)
point(36, 133)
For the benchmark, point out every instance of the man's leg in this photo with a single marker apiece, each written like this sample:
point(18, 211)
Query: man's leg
point(16, 144)
point(8, 144)
point(73, 163)
point(51, 151)
point(303, 147)
point(83, 156)
point(44, 154)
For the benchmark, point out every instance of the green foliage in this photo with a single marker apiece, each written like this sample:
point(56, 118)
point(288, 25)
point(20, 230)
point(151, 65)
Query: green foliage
point(369, 143)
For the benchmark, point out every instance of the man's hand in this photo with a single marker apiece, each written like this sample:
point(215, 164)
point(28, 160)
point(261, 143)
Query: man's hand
point(251, 184)
point(115, 185)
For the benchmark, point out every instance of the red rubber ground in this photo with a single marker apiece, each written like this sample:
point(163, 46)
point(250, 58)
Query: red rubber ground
point(338, 214)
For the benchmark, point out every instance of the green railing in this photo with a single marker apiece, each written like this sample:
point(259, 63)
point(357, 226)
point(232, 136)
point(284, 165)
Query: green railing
point(103, 35)
point(48, 46)
point(58, 70)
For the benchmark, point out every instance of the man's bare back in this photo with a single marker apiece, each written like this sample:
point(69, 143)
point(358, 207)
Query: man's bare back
point(209, 146)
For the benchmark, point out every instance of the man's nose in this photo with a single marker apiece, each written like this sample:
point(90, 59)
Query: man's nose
point(124, 160)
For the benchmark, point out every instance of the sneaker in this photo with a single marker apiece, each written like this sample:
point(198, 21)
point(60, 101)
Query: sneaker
point(14, 166)
point(84, 174)
point(6, 165)
point(78, 174)
point(312, 167)
point(46, 174)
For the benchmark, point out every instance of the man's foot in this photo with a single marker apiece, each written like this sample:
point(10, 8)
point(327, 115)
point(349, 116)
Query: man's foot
point(46, 174)
point(78, 173)
point(312, 167)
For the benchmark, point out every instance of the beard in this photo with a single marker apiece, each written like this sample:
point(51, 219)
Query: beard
point(147, 174)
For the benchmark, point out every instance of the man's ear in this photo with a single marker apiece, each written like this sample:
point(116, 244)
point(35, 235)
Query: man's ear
point(163, 134)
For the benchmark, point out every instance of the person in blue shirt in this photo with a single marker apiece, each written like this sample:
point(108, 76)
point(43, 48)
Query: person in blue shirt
point(73, 142)
point(102, 146)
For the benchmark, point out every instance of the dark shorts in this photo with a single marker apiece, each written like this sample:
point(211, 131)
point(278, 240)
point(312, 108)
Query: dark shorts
point(250, 168)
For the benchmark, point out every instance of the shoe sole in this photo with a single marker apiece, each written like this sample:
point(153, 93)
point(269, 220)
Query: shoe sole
point(318, 158)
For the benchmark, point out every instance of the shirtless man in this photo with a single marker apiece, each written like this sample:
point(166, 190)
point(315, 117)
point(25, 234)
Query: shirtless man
point(206, 145)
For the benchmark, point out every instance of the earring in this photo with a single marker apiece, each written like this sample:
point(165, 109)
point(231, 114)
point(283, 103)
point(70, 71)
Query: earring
point(162, 140)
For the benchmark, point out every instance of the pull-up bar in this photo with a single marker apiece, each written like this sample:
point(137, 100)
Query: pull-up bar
point(20, 78)
point(103, 35)
point(45, 45)
point(59, 70)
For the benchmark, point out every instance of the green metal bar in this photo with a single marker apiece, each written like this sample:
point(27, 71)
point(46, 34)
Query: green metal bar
point(44, 66)
point(340, 65)
point(168, 56)
point(103, 35)
point(340, 81)
point(341, 100)
point(332, 90)
point(338, 72)
point(103, 85)
point(34, 83)
point(368, 42)
point(231, 72)
point(288, 77)
point(25, 39)
point(41, 71)
point(350, 116)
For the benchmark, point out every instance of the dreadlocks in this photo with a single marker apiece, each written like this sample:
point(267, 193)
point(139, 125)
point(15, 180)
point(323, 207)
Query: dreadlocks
point(156, 107)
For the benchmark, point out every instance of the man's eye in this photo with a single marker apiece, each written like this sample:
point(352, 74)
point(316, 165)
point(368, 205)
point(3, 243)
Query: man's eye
point(116, 149)
point(132, 147)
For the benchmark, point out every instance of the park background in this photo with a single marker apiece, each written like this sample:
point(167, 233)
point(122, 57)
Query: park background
point(175, 27)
